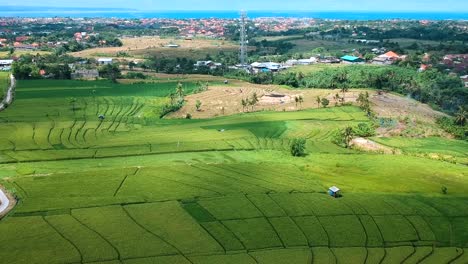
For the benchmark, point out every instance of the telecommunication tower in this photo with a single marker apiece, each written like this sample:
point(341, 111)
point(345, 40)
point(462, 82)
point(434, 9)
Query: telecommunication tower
point(243, 39)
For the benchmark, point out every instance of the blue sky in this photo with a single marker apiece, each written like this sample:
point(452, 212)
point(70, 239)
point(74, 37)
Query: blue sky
point(269, 5)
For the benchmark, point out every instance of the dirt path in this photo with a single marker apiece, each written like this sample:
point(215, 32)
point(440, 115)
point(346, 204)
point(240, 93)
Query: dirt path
point(9, 95)
point(7, 202)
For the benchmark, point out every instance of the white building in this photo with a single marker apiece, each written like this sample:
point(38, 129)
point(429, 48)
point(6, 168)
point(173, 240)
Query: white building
point(5, 65)
point(105, 61)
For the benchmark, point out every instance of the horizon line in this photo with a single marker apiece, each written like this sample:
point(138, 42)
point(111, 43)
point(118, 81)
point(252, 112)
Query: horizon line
point(235, 10)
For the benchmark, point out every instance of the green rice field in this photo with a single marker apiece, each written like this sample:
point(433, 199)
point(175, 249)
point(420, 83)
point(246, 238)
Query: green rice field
point(134, 188)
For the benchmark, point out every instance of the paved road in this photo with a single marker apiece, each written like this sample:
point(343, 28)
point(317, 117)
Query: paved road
point(4, 201)
point(9, 96)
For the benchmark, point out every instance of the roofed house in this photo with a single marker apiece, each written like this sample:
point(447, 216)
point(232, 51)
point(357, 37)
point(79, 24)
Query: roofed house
point(351, 59)
point(387, 58)
point(266, 67)
point(334, 191)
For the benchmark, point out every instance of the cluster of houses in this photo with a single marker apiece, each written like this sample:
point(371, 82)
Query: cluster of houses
point(209, 64)
point(258, 67)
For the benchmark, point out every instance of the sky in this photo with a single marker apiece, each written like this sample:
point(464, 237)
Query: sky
point(266, 5)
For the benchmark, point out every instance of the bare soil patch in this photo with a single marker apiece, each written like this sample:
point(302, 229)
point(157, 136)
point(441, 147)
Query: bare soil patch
point(371, 146)
point(140, 47)
point(226, 99)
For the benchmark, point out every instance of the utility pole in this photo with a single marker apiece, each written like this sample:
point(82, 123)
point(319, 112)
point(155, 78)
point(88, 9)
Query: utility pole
point(243, 39)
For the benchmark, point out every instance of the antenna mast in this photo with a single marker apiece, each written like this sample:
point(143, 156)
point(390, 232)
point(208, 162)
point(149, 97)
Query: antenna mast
point(243, 39)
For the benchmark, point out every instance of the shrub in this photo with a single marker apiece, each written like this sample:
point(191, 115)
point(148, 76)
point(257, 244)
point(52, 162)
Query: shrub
point(343, 137)
point(325, 102)
point(298, 147)
point(444, 190)
point(449, 125)
point(364, 130)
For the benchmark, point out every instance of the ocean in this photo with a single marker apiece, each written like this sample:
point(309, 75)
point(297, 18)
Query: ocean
point(119, 13)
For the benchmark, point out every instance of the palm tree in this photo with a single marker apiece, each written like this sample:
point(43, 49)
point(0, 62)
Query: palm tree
point(348, 134)
point(344, 90)
point(301, 100)
point(172, 96)
point(244, 103)
point(180, 90)
point(254, 100)
point(72, 102)
point(318, 100)
point(460, 116)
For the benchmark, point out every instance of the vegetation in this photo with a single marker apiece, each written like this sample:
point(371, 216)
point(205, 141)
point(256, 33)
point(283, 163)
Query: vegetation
point(116, 189)
point(298, 147)
point(432, 87)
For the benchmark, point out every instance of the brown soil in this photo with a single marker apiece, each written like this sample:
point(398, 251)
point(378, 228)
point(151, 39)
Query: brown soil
point(226, 99)
point(371, 146)
point(141, 46)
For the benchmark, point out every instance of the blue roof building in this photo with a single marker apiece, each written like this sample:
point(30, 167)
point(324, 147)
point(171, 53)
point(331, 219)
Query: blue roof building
point(351, 59)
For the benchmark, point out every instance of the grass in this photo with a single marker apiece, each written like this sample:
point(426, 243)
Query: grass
point(4, 83)
point(138, 189)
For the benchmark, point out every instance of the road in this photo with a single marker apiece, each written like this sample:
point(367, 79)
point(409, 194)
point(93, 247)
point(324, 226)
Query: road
point(9, 95)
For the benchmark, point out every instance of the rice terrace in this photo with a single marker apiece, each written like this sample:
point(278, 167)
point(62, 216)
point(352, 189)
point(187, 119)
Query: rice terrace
point(131, 135)
point(134, 188)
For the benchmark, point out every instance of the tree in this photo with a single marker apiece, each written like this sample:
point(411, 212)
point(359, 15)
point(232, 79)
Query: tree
point(72, 102)
point(296, 99)
point(460, 116)
point(348, 134)
point(198, 105)
point(298, 147)
point(245, 103)
point(325, 102)
point(364, 103)
point(110, 71)
point(337, 99)
point(253, 100)
point(319, 101)
point(344, 90)
point(301, 100)
point(180, 90)
point(343, 137)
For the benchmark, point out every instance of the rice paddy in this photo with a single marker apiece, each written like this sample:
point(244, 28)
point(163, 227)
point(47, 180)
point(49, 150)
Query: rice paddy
point(134, 188)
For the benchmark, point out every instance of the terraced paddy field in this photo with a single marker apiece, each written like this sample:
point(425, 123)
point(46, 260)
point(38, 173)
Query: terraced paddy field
point(4, 78)
point(134, 188)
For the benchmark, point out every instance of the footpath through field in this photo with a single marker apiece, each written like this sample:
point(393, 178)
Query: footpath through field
point(9, 95)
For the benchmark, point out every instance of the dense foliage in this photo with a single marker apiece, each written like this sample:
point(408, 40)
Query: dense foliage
point(298, 147)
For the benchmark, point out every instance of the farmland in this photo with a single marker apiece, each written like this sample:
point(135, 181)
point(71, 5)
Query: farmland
point(4, 78)
point(134, 188)
point(142, 47)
